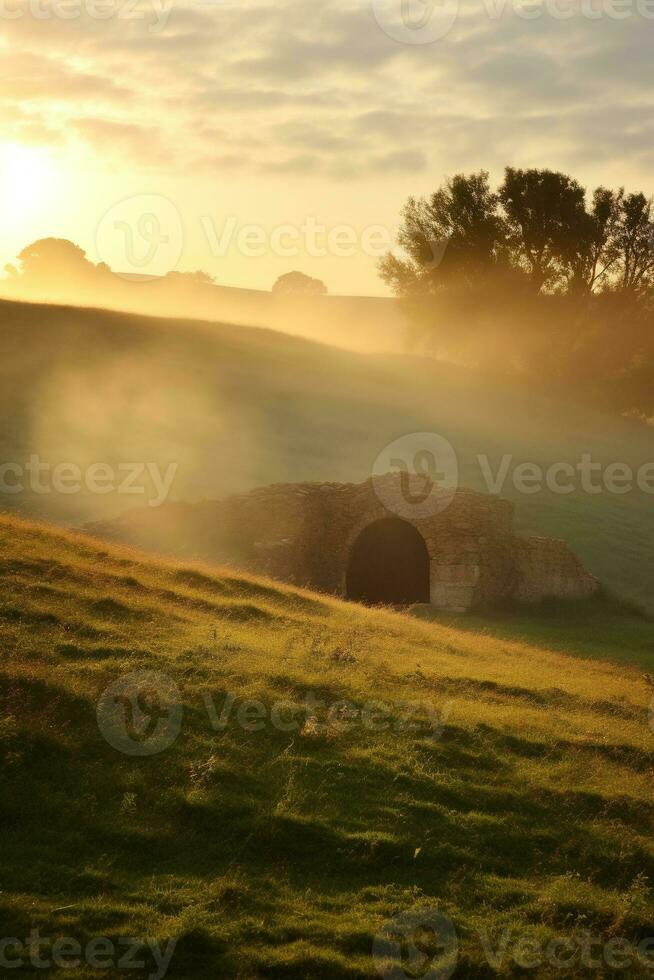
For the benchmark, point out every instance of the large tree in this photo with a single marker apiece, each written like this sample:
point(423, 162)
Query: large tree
point(548, 225)
point(634, 242)
point(456, 236)
point(597, 253)
point(51, 260)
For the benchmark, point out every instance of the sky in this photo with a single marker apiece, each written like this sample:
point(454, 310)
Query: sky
point(255, 137)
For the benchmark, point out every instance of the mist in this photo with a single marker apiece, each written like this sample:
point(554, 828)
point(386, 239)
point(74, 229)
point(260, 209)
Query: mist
point(230, 408)
point(56, 271)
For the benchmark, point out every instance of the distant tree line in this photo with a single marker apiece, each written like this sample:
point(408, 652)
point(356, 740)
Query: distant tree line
point(58, 267)
point(536, 276)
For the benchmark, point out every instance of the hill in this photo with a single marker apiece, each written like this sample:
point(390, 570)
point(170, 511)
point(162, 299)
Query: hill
point(515, 799)
point(234, 407)
point(360, 323)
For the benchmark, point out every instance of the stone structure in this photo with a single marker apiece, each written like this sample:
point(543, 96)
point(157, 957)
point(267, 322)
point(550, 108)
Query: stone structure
point(341, 539)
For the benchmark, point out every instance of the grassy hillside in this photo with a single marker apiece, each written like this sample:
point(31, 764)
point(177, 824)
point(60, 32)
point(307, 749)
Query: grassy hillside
point(357, 322)
point(237, 407)
point(519, 799)
point(599, 628)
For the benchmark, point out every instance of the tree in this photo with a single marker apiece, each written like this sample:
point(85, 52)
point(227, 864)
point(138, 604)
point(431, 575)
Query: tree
point(198, 278)
point(598, 253)
point(54, 261)
point(456, 235)
point(547, 222)
point(634, 241)
point(536, 279)
point(298, 284)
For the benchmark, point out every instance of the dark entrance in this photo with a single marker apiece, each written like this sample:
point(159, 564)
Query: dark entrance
point(389, 563)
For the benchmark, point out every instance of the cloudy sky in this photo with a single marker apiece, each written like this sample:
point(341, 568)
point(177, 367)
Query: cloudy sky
point(229, 126)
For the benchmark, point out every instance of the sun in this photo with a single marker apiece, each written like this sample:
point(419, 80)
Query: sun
point(28, 179)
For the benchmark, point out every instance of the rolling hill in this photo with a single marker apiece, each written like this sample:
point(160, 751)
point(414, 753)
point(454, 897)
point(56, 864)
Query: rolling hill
point(281, 841)
point(360, 323)
point(234, 407)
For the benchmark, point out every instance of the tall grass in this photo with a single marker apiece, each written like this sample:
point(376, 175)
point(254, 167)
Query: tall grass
point(280, 853)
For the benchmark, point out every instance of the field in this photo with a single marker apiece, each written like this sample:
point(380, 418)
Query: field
point(599, 628)
point(354, 322)
point(517, 800)
point(236, 407)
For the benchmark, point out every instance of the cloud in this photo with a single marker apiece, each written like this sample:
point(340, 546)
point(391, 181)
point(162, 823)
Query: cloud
point(32, 78)
point(400, 161)
point(122, 139)
point(291, 87)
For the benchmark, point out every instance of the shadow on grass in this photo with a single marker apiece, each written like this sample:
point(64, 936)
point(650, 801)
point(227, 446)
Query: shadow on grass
point(604, 627)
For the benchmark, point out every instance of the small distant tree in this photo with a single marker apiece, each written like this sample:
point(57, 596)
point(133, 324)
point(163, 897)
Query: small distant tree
point(54, 261)
point(198, 278)
point(299, 284)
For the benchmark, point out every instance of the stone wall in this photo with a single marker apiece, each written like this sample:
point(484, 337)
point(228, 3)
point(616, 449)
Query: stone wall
point(548, 568)
point(303, 534)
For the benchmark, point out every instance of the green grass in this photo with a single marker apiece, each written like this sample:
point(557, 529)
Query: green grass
point(281, 853)
point(238, 407)
point(602, 627)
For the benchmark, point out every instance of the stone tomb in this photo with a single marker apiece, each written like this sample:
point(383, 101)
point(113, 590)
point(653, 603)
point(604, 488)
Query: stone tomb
point(341, 539)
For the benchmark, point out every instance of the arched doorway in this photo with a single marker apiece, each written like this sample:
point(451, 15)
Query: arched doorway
point(389, 563)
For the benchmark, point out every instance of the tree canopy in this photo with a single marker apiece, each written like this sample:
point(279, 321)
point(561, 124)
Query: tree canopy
point(298, 284)
point(537, 275)
point(539, 224)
